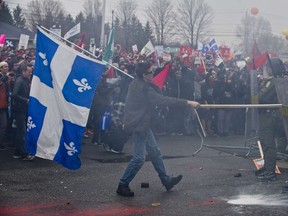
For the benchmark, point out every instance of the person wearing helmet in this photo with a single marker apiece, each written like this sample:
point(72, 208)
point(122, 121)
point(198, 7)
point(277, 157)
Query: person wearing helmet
point(271, 126)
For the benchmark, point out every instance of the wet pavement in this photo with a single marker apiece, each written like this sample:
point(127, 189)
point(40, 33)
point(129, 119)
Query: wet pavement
point(214, 183)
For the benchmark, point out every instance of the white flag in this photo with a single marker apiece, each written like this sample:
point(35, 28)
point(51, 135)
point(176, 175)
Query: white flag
point(23, 41)
point(135, 48)
point(148, 49)
point(73, 31)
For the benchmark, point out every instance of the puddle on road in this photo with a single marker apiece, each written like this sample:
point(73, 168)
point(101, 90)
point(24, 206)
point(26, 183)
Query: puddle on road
point(264, 200)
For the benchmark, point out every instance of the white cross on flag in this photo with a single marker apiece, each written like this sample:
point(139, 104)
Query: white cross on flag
point(62, 89)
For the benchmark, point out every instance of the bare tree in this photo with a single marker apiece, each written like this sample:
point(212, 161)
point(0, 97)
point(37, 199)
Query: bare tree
point(126, 10)
point(160, 13)
point(193, 19)
point(43, 13)
point(125, 13)
point(253, 29)
point(92, 7)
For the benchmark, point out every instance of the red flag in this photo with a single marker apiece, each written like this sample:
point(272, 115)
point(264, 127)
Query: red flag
point(225, 51)
point(160, 79)
point(185, 52)
point(111, 73)
point(255, 50)
point(80, 43)
point(258, 61)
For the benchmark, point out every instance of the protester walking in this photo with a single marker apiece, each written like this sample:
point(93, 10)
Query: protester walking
point(142, 98)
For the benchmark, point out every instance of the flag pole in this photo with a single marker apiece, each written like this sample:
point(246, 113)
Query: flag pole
point(85, 51)
point(103, 24)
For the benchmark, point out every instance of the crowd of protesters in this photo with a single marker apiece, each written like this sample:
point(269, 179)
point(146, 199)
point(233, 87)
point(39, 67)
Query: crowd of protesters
point(206, 84)
point(227, 83)
point(213, 85)
point(15, 78)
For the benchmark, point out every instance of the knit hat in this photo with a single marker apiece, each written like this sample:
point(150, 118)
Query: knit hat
point(3, 63)
point(142, 68)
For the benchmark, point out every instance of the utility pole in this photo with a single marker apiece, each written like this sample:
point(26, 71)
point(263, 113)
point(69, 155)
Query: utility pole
point(103, 24)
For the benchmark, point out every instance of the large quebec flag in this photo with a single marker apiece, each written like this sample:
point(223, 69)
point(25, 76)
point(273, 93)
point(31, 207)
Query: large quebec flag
point(62, 89)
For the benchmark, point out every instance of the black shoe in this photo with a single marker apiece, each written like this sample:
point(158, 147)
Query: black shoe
point(172, 182)
point(28, 158)
point(124, 190)
point(267, 177)
point(2, 148)
point(260, 172)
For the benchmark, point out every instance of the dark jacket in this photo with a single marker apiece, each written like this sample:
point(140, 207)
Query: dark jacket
point(142, 98)
point(20, 94)
point(267, 94)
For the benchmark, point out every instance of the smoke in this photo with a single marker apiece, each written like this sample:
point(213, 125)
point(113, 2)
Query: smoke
point(264, 200)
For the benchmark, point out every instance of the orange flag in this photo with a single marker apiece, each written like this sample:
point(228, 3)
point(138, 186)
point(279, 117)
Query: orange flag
point(159, 79)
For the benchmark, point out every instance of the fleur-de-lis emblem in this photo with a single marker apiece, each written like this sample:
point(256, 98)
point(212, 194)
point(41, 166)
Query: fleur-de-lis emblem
point(30, 124)
point(43, 56)
point(71, 150)
point(83, 85)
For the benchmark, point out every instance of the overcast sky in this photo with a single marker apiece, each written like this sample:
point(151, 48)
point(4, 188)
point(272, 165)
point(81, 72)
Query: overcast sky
point(227, 13)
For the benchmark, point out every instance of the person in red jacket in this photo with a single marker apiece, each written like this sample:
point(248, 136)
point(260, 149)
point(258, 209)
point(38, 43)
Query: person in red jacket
point(3, 101)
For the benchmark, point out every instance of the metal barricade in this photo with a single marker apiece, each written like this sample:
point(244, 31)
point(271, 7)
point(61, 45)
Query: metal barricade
point(250, 136)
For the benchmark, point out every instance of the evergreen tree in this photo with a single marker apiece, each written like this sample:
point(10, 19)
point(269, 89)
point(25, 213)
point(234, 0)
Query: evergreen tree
point(19, 18)
point(137, 33)
point(5, 15)
point(148, 32)
point(126, 37)
point(117, 32)
point(80, 18)
point(60, 22)
point(89, 27)
point(98, 25)
point(67, 24)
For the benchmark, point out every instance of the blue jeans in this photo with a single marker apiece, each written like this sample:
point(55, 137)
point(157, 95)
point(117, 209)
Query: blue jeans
point(140, 143)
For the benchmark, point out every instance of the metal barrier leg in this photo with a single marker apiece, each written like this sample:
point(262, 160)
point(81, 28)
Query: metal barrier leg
point(252, 137)
point(201, 145)
point(199, 133)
